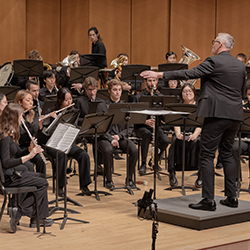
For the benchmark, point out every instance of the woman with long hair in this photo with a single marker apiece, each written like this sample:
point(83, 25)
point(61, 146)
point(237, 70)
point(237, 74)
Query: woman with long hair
point(3, 102)
point(16, 173)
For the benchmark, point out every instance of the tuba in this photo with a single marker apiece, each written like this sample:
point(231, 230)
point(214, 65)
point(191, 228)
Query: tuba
point(188, 56)
point(117, 64)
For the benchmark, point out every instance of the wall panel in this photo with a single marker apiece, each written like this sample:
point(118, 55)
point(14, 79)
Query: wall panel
point(43, 28)
point(12, 29)
point(233, 18)
point(150, 31)
point(112, 19)
point(74, 26)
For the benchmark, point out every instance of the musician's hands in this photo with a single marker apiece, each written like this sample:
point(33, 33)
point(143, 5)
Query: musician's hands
point(150, 122)
point(116, 137)
point(76, 86)
point(53, 114)
point(179, 136)
point(41, 122)
point(192, 137)
point(32, 145)
point(115, 143)
point(36, 150)
point(126, 86)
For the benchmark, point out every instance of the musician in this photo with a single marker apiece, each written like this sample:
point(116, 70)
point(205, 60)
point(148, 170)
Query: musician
point(116, 138)
point(242, 57)
point(192, 142)
point(31, 119)
point(50, 85)
point(3, 102)
point(64, 99)
point(171, 57)
point(172, 84)
point(220, 103)
point(145, 130)
point(16, 173)
point(97, 44)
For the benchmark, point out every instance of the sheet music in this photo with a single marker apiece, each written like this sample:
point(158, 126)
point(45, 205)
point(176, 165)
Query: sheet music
point(63, 138)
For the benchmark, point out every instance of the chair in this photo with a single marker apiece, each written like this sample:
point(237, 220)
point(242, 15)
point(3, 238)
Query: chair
point(7, 191)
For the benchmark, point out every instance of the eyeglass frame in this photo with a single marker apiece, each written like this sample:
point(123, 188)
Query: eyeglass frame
point(215, 41)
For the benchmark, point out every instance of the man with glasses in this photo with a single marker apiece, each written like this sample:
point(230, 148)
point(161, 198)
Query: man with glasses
point(220, 103)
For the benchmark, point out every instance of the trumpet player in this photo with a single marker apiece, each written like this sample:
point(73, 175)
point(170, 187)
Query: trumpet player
point(145, 130)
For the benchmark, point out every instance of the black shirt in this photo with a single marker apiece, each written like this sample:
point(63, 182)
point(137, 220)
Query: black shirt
point(99, 48)
point(44, 91)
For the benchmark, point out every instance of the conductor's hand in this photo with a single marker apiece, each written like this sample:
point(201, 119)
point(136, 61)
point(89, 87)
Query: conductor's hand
point(150, 122)
point(179, 136)
point(36, 150)
point(150, 74)
point(115, 143)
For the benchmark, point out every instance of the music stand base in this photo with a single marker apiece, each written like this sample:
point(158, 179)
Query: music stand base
point(54, 209)
point(68, 200)
point(124, 187)
point(157, 173)
point(96, 193)
point(65, 218)
point(182, 188)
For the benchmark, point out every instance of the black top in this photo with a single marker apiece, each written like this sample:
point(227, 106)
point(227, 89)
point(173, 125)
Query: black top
point(99, 48)
point(44, 91)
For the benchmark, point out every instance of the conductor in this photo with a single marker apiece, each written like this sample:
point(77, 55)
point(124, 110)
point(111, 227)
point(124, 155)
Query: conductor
point(220, 103)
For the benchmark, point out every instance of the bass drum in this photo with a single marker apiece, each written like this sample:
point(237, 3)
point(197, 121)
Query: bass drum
point(6, 73)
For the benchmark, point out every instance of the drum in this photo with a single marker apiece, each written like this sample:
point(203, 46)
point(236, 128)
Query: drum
point(6, 73)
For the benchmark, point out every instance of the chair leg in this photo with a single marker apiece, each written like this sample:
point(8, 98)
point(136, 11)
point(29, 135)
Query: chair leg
point(37, 213)
point(3, 206)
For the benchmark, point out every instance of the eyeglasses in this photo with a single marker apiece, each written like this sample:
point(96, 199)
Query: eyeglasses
point(187, 91)
point(215, 41)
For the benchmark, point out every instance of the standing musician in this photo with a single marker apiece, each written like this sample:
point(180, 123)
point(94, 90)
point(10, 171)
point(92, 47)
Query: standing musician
point(16, 173)
point(50, 85)
point(220, 103)
point(31, 119)
point(116, 138)
point(64, 99)
point(145, 130)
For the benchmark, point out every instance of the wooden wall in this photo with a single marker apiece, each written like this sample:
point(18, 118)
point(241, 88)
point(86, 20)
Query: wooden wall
point(144, 29)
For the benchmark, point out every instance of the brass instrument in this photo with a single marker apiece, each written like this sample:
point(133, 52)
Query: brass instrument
point(34, 142)
point(248, 62)
point(188, 56)
point(117, 64)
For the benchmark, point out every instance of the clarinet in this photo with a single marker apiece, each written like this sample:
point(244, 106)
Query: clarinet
point(39, 110)
point(34, 142)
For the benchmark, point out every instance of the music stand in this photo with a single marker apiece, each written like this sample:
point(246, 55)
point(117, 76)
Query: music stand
point(104, 94)
point(131, 73)
point(9, 92)
point(96, 59)
point(78, 74)
point(173, 92)
point(51, 97)
point(248, 72)
point(95, 125)
point(125, 117)
point(172, 66)
point(157, 114)
point(47, 104)
point(63, 144)
point(28, 67)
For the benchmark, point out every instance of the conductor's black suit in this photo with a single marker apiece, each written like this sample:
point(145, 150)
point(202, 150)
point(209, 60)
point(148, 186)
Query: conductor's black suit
point(220, 103)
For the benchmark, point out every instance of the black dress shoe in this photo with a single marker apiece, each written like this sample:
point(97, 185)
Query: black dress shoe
point(142, 169)
point(60, 192)
point(198, 183)
point(172, 179)
point(117, 157)
point(204, 204)
point(99, 170)
point(13, 218)
point(230, 202)
point(85, 190)
point(46, 222)
point(130, 183)
point(219, 166)
point(110, 184)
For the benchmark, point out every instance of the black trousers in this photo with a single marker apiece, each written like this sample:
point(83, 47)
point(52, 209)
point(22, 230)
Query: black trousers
point(217, 132)
point(26, 201)
point(146, 134)
point(81, 157)
point(107, 150)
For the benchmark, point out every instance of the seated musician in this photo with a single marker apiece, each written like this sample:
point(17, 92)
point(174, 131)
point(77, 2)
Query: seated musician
point(15, 172)
point(242, 57)
point(192, 142)
point(116, 138)
point(171, 57)
point(3, 102)
point(50, 85)
point(172, 84)
point(145, 130)
point(31, 119)
point(64, 99)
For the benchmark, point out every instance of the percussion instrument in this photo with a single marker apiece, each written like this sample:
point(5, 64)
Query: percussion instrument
point(6, 73)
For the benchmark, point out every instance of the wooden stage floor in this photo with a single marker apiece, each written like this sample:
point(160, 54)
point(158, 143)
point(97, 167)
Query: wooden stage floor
point(114, 223)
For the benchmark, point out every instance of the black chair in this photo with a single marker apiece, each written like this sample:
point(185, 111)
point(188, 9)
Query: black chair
point(7, 191)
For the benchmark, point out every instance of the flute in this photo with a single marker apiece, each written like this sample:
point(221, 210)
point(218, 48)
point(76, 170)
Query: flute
point(34, 142)
point(46, 116)
point(29, 109)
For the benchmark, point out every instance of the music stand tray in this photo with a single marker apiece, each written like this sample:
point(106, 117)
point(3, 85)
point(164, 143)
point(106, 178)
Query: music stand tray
point(28, 67)
point(95, 125)
point(158, 102)
point(169, 91)
point(104, 94)
point(172, 66)
point(96, 59)
point(47, 104)
point(9, 92)
point(78, 74)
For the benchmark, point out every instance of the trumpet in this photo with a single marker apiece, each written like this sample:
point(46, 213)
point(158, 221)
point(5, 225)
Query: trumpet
point(58, 111)
point(34, 142)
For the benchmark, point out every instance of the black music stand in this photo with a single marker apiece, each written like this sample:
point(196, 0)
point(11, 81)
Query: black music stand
point(95, 125)
point(47, 104)
point(9, 92)
point(51, 97)
point(104, 94)
point(63, 144)
point(189, 120)
point(173, 92)
point(131, 73)
point(28, 67)
point(96, 59)
point(125, 117)
point(172, 66)
point(157, 114)
point(78, 74)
